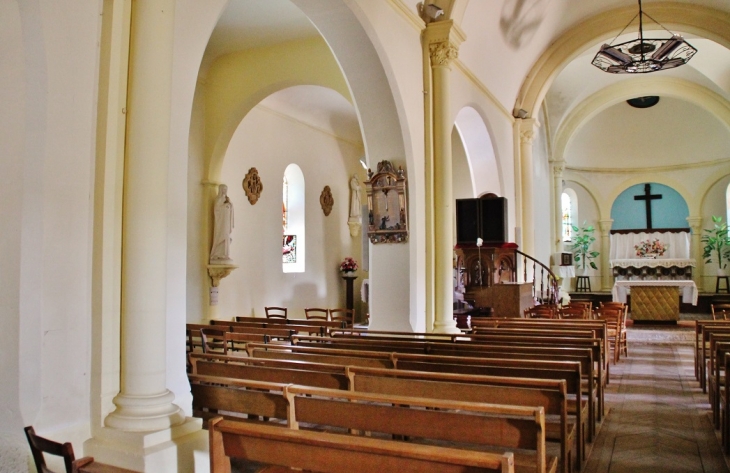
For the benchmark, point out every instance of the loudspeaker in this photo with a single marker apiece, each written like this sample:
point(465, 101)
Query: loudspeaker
point(467, 220)
point(481, 218)
point(494, 219)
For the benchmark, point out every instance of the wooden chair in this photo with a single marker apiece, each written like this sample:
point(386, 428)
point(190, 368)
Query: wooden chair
point(572, 313)
point(613, 318)
point(275, 312)
point(213, 340)
point(587, 306)
point(316, 314)
point(40, 445)
point(343, 315)
point(623, 343)
point(540, 312)
point(720, 310)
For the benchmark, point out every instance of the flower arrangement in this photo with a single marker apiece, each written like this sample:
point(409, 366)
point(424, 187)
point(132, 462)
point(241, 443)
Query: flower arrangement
point(650, 248)
point(348, 265)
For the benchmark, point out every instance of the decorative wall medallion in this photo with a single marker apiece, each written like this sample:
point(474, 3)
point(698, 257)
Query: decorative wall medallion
point(326, 200)
point(252, 185)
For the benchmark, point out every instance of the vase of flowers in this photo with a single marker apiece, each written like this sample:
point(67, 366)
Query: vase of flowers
point(348, 267)
point(651, 248)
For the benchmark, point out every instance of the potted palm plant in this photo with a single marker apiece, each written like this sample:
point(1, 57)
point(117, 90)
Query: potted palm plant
point(717, 245)
point(581, 246)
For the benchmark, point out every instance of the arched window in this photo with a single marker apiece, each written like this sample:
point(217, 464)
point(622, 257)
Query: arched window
point(727, 203)
point(567, 218)
point(292, 218)
point(569, 213)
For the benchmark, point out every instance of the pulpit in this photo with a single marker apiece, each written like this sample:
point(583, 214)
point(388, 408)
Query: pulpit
point(486, 277)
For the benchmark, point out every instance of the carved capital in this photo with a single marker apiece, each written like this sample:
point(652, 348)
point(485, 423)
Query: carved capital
point(527, 137)
point(219, 271)
point(605, 226)
point(558, 168)
point(442, 53)
point(695, 223)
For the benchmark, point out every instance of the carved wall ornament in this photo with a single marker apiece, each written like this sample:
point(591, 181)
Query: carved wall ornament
point(252, 185)
point(387, 204)
point(527, 136)
point(442, 53)
point(326, 200)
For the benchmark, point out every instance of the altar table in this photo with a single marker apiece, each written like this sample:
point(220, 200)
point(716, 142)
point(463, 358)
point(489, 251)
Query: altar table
point(655, 300)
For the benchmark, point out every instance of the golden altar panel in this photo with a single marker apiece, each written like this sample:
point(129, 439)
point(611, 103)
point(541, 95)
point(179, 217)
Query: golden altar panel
point(655, 303)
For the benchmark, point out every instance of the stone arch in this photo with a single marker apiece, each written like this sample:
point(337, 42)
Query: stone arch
point(690, 18)
point(486, 173)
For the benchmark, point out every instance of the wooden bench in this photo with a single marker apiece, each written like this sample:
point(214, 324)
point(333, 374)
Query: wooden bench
point(332, 453)
point(499, 427)
point(549, 394)
point(699, 339)
point(529, 368)
point(702, 341)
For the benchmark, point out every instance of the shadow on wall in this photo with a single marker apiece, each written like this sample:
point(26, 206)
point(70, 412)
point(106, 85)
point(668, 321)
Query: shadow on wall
point(520, 19)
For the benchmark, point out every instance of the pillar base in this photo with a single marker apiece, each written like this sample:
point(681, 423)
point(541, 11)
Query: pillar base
point(145, 413)
point(179, 449)
point(446, 326)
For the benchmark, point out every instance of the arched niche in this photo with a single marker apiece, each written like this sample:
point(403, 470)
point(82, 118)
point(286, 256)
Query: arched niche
point(669, 210)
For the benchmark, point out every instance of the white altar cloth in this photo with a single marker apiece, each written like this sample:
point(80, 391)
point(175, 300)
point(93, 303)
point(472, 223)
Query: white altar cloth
point(653, 263)
point(689, 289)
point(622, 244)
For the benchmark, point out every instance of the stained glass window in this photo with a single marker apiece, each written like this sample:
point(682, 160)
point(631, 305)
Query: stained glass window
point(567, 217)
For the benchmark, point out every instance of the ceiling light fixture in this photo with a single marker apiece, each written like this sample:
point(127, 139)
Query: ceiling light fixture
point(643, 55)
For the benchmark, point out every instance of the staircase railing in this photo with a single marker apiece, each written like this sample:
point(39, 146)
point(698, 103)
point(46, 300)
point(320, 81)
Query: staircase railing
point(544, 282)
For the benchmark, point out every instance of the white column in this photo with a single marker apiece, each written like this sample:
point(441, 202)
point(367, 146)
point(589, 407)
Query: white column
point(442, 51)
point(527, 129)
point(558, 168)
point(146, 431)
point(695, 224)
point(606, 274)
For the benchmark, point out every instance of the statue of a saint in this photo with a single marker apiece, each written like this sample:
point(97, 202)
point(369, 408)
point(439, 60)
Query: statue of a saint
point(355, 202)
point(220, 252)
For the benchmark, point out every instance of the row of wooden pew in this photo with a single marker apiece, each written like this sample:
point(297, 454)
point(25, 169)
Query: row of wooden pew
point(557, 367)
point(712, 361)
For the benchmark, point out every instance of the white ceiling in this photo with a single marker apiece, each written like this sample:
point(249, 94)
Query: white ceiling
point(504, 38)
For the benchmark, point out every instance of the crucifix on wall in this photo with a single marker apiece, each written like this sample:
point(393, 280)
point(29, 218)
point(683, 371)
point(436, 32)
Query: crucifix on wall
point(647, 198)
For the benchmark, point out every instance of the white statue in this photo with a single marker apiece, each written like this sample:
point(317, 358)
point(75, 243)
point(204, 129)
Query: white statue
point(220, 252)
point(355, 203)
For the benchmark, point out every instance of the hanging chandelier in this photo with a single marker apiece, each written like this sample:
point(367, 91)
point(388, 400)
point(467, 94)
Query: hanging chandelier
point(643, 55)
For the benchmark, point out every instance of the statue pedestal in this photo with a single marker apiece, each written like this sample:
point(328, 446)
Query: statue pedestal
point(349, 292)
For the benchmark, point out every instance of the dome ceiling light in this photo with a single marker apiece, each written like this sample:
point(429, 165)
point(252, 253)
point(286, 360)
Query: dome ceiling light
point(644, 55)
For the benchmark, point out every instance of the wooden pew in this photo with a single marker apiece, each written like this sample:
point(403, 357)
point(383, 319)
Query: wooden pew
point(702, 341)
point(332, 453)
point(549, 394)
point(500, 427)
point(530, 368)
point(718, 348)
point(699, 327)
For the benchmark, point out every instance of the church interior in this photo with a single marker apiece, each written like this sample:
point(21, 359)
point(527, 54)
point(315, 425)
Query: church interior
point(168, 163)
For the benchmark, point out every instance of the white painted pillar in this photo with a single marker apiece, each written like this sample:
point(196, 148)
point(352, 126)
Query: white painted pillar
point(527, 129)
point(695, 251)
point(606, 273)
point(146, 431)
point(558, 168)
point(442, 50)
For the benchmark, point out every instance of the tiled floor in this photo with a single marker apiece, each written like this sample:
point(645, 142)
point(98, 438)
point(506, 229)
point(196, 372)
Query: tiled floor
point(659, 418)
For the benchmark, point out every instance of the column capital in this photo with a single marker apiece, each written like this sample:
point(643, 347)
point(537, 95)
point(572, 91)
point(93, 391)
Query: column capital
point(694, 223)
point(605, 226)
point(527, 128)
point(558, 168)
point(443, 40)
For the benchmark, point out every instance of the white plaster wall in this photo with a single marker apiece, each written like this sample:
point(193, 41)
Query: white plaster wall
point(542, 200)
point(589, 213)
point(47, 83)
point(714, 204)
point(270, 142)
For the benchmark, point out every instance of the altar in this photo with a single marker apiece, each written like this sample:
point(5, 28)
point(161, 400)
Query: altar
point(655, 300)
point(673, 263)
